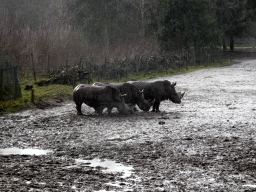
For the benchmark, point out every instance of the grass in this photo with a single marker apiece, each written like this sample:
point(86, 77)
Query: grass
point(56, 91)
point(243, 48)
point(239, 48)
point(40, 92)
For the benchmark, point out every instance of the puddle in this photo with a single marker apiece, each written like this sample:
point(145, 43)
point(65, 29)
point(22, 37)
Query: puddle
point(252, 186)
point(18, 151)
point(110, 166)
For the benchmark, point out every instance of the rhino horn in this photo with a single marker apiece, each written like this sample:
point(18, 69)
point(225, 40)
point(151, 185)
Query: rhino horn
point(181, 95)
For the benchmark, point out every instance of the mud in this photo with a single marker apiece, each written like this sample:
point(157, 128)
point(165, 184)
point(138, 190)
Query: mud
point(206, 143)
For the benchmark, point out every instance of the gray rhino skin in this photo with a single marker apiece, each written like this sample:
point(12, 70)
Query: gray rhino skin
point(99, 98)
point(134, 95)
point(158, 90)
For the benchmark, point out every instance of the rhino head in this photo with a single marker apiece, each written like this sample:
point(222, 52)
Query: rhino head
point(125, 108)
point(172, 94)
point(144, 104)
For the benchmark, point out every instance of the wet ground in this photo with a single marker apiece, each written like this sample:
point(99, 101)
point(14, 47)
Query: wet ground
point(207, 143)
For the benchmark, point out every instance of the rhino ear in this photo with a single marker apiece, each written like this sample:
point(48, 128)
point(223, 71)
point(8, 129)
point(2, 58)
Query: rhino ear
point(173, 84)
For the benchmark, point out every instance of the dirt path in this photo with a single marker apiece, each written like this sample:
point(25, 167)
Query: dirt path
point(207, 143)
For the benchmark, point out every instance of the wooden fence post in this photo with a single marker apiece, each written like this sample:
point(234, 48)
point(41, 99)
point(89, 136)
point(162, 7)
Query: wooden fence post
point(1, 83)
point(66, 65)
point(48, 65)
point(32, 95)
point(33, 66)
point(80, 63)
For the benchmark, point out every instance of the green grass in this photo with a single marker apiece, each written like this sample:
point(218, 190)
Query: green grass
point(238, 48)
point(243, 48)
point(55, 91)
point(40, 92)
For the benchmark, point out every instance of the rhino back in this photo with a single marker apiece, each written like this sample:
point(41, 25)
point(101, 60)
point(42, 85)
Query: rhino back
point(110, 94)
point(152, 90)
point(78, 93)
point(91, 95)
point(131, 91)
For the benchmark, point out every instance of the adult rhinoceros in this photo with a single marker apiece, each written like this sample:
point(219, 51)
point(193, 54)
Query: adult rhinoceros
point(99, 98)
point(158, 90)
point(133, 94)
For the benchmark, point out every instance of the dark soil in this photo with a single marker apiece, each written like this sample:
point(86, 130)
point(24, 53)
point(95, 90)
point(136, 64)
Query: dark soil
point(207, 143)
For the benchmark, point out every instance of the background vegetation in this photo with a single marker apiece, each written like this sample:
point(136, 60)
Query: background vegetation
point(120, 28)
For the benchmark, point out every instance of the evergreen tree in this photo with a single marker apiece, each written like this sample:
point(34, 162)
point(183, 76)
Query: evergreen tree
point(186, 23)
point(234, 18)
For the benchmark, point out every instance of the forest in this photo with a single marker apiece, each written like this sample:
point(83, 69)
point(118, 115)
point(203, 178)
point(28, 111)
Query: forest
point(114, 31)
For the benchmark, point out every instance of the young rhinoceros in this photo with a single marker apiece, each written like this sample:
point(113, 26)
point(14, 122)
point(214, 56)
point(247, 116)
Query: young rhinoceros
point(99, 98)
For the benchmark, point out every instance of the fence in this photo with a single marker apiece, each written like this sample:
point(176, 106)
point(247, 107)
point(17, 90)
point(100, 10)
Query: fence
point(44, 66)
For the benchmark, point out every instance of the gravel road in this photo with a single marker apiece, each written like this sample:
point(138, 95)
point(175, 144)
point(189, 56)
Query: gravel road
point(206, 143)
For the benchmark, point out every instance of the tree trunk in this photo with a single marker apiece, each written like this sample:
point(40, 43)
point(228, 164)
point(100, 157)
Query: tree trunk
point(142, 9)
point(231, 43)
point(106, 40)
point(224, 44)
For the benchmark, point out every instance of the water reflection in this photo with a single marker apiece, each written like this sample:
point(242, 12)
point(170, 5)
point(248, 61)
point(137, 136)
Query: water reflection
point(110, 166)
point(18, 151)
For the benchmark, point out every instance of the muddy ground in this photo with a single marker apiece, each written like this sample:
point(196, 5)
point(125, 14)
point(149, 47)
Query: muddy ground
point(207, 143)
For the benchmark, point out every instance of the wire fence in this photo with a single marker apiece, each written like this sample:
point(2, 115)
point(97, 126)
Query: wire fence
point(46, 66)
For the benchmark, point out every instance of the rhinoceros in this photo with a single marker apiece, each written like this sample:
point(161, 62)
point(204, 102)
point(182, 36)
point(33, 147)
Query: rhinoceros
point(99, 98)
point(134, 95)
point(159, 90)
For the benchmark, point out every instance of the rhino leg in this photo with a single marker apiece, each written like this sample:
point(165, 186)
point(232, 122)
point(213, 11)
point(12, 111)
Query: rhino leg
point(110, 110)
point(96, 110)
point(100, 110)
point(78, 108)
point(156, 106)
